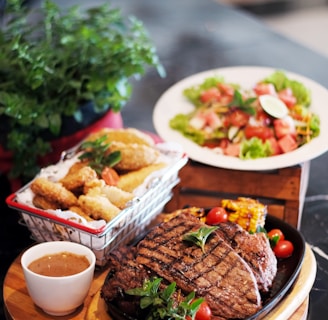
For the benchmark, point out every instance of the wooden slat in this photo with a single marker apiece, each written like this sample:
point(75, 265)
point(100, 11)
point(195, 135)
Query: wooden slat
point(282, 190)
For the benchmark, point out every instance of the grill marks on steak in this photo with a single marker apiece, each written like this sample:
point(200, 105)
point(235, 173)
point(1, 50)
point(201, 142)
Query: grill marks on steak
point(220, 275)
point(255, 250)
point(125, 273)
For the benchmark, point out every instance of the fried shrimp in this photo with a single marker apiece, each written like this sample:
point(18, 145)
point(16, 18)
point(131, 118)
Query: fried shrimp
point(98, 207)
point(54, 192)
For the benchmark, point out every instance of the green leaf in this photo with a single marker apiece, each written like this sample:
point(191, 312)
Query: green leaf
point(160, 302)
point(199, 237)
point(98, 154)
point(244, 105)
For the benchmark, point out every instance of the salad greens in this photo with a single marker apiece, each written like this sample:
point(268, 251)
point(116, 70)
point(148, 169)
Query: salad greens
point(231, 120)
point(280, 81)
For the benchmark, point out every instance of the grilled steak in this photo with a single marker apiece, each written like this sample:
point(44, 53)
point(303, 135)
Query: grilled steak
point(125, 273)
point(228, 274)
point(255, 250)
point(217, 275)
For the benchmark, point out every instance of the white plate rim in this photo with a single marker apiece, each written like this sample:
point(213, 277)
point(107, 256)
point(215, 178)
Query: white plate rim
point(172, 102)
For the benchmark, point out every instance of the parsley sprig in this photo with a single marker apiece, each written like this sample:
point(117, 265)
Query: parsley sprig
point(162, 304)
point(199, 237)
point(96, 152)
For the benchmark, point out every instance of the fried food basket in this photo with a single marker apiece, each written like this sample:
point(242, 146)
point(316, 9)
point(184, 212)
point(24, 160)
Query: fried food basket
point(127, 225)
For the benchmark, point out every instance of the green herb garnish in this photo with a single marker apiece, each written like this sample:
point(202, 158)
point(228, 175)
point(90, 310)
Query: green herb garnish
point(96, 152)
point(162, 303)
point(243, 104)
point(200, 236)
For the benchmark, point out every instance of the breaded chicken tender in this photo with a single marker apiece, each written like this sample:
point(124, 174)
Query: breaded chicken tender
point(128, 135)
point(131, 180)
point(43, 203)
point(54, 192)
point(75, 179)
point(95, 183)
point(116, 196)
point(98, 207)
point(134, 156)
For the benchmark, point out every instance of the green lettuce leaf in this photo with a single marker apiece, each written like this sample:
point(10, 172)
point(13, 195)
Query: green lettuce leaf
point(255, 148)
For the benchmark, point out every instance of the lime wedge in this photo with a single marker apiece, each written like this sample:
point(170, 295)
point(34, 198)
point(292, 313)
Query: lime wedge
point(273, 106)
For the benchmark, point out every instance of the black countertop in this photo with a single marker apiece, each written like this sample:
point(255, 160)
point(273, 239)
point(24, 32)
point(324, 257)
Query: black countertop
point(192, 36)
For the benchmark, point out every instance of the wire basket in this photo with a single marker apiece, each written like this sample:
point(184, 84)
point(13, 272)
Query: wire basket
point(127, 225)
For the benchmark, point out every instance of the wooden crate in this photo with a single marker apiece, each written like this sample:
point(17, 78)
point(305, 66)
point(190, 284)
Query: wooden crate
point(282, 190)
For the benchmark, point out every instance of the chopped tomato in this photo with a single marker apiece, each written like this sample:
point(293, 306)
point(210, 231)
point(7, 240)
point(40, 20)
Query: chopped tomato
point(211, 144)
point(265, 88)
point(224, 143)
point(287, 143)
point(287, 97)
point(226, 89)
point(237, 118)
point(216, 215)
point(227, 92)
point(263, 118)
point(232, 149)
point(284, 126)
point(260, 132)
point(210, 95)
point(110, 176)
point(274, 146)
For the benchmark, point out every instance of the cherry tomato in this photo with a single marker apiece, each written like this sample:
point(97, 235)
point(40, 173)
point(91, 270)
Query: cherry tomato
point(216, 215)
point(276, 234)
point(204, 312)
point(283, 249)
point(110, 176)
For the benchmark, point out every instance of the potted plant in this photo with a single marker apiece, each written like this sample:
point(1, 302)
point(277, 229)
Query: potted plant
point(60, 72)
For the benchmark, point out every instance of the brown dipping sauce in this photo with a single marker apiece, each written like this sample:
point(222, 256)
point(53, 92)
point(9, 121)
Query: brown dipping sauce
point(59, 264)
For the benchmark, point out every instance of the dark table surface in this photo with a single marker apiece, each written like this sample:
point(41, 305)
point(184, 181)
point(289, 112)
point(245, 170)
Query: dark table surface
point(192, 36)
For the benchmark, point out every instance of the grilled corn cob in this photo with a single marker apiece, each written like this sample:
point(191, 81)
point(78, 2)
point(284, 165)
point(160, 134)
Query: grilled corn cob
point(248, 213)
